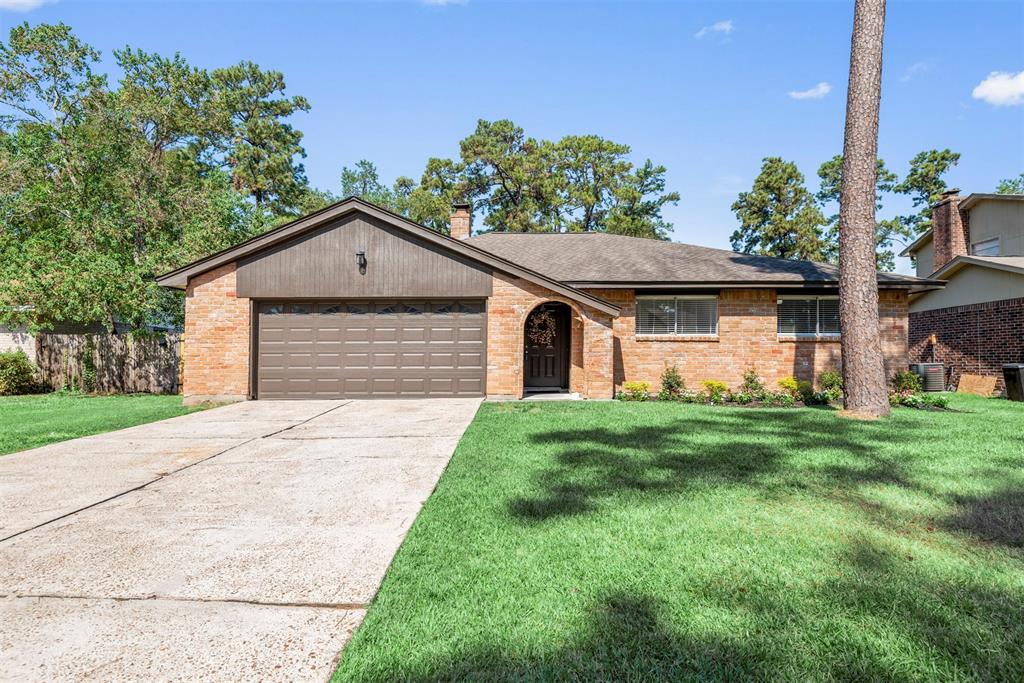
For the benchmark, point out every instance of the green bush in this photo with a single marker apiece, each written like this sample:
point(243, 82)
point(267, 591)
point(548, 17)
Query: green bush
point(806, 391)
point(635, 391)
point(781, 399)
point(743, 398)
point(906, 381)
point(752, 383)
point(17, 374)
point(672, 386)
point(790, 386)
point(831, 383)
point(715, 391)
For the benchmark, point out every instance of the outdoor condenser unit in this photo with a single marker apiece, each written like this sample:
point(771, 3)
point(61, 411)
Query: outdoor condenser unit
point(933, 375)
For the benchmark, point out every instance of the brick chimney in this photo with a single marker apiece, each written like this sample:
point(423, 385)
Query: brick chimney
point(462, 221)
point(949, 228)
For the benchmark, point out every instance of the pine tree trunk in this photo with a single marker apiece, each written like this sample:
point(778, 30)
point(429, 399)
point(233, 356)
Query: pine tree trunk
point(864, 381)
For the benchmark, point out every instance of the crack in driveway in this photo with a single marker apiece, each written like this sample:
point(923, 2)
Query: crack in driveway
point(164, 475)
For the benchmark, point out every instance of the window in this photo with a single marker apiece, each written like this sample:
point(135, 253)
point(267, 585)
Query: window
point(986, 248)
point(677, 315)
point(300, 309)
point(808, 315)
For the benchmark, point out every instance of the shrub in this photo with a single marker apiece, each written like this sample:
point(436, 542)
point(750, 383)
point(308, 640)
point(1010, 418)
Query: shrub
point(806, 391)
point(790, 386)
point(910, 399)
point(752, 383)
point(691, 397)
point(782, 399)
point(743, 398)
point(635, 391)
point(906, 381)
point(831, 383)
point(936, 401)
point(715, 391)
point(672, 386)
point(17, 374)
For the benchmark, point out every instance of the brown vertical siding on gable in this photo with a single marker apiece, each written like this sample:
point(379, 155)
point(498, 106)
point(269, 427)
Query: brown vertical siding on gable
point(322, 264)
point(747, 338)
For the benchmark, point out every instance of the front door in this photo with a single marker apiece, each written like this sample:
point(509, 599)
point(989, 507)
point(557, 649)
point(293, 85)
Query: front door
point(547, 349)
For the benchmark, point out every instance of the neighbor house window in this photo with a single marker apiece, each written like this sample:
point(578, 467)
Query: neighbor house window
point(808, 315)
point(677, 315)
point(986, 248)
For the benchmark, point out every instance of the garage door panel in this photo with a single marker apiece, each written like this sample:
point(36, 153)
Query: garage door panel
point(388, 349)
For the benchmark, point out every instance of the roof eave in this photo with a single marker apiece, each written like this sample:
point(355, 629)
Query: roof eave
point(925, 237)
point(179, 278)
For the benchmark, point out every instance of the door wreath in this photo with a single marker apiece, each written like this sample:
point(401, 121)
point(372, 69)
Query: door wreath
point(541, 328)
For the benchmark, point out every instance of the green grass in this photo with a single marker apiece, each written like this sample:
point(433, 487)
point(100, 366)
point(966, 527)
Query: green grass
point(31, 421)
point(617, 541)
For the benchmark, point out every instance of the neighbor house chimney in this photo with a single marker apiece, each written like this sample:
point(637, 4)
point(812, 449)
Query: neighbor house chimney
point(949, 228)
point(462, 220)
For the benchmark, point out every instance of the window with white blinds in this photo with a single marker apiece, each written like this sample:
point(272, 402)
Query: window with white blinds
point(809, 315)
point(677, 315)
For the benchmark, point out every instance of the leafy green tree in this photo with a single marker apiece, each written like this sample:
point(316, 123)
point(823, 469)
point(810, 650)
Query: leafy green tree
point(430, 202)
point(779, 216)
point(102, 187)
point(363, 181)
point(259, 146)
point(592, 171)
point(1011, 185)
point(924, 184)
point(638, 204)
point(830, 174)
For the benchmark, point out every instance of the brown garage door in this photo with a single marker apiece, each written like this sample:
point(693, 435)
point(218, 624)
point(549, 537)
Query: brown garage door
point(379, 349)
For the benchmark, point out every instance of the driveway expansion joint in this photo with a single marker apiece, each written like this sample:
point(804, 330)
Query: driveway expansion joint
point(164, 598)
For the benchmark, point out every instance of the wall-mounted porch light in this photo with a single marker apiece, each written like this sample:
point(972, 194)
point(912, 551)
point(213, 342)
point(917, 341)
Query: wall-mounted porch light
point(361, 261)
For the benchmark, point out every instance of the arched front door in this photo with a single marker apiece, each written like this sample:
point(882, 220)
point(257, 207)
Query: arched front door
point(546, 345)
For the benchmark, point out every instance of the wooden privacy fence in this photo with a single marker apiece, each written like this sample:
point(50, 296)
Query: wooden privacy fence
point(110, 363)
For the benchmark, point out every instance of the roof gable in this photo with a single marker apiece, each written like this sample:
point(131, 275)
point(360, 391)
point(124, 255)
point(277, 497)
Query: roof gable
point(279, 236)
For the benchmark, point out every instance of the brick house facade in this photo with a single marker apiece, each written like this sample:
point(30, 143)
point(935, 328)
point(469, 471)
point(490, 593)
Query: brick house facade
point(975, 323)
point(603, 349)
point(975, 339)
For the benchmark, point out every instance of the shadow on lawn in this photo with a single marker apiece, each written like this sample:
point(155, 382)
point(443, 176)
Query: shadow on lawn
point(625, 640)
point(737, 447)
point(882, 619)
point(995, 518)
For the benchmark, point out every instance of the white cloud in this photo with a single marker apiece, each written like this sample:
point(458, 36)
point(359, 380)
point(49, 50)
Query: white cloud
point(915, 69)
point(815, 93)
point(1001, 88)
point(23, 5)
point(724, 27)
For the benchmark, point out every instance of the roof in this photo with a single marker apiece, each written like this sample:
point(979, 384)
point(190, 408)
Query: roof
point(922, 240)
point(1012, 264)
point(975, 197)
point(179, 278)
point(600, 259)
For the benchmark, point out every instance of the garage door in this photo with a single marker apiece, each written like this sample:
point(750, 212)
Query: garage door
point(378, 349)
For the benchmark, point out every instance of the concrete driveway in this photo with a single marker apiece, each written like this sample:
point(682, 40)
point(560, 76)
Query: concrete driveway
point(242, 542)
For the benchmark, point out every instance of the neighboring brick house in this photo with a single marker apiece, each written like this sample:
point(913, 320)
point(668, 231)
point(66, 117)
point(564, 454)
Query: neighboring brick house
point(354, 301)
point(975, 323)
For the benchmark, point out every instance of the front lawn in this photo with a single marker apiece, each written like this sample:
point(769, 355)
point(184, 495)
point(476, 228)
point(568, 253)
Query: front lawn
point(31, 421)
point(616, 541)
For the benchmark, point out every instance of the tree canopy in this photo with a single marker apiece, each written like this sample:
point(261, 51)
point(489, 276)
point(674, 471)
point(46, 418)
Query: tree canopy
point(1011, 185)
point(780, 217)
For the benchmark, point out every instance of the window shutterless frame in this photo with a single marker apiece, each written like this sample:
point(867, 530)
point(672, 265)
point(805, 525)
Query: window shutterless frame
point(809, 316)
point(695, 315)
point(986, 247)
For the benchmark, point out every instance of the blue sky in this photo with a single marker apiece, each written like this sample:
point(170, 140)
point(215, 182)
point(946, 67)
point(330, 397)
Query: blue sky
point(707, 89)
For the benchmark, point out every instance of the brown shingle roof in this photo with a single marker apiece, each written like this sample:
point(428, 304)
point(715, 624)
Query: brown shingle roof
point(599, 258)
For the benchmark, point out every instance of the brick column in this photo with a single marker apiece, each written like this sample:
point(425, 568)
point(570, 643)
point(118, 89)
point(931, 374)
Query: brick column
point(215, 351)
point(598, 354)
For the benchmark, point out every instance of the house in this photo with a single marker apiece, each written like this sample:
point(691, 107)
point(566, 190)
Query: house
point(976, 323)
point(354, 301)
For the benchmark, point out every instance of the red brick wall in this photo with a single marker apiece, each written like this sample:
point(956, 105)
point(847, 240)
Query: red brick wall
point(591, 343)
point(215, 352)
point(975, 339)
point(747, 337)
point(949, 231)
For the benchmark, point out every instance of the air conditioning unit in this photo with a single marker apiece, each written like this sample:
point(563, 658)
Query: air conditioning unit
point(933, 375)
